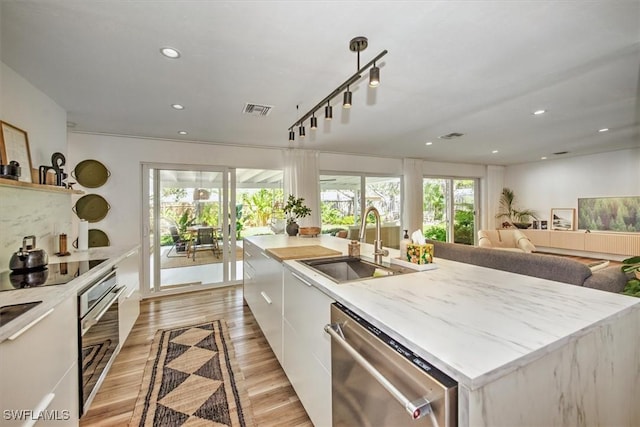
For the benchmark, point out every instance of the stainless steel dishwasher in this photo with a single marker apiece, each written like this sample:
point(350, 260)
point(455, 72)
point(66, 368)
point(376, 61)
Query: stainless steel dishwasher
point(378, 382)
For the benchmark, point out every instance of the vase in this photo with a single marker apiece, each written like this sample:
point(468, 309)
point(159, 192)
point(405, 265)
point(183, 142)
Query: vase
point(292, 229)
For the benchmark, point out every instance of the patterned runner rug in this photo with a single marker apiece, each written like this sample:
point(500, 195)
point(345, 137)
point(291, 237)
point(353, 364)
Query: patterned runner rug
point(192, 379)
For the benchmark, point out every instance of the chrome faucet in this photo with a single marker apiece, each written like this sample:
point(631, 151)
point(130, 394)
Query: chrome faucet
point(378, 252)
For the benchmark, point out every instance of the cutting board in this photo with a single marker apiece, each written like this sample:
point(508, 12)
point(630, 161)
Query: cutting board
point(300, 252)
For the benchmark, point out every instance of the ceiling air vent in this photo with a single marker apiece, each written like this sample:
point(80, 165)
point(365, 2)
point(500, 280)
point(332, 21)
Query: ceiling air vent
point(257, 109)
point(451, 135)
point(560, 153)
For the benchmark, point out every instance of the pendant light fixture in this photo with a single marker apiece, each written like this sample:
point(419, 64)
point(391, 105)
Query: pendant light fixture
point(374, 76)
point(347, 99)
point(328, 112)
point(357, 44)
point(292, 135)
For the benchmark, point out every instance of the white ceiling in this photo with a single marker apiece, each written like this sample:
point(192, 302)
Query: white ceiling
point(475, 67)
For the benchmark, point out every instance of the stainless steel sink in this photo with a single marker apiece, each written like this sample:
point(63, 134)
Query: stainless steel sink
point(343, 269)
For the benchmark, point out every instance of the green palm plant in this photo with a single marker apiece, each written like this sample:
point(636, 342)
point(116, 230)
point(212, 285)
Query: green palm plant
point(509, 212)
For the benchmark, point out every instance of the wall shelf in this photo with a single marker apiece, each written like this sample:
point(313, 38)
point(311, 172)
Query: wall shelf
point(4, 182)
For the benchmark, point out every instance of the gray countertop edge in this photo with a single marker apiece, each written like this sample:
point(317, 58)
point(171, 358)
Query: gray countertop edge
point(52, 296)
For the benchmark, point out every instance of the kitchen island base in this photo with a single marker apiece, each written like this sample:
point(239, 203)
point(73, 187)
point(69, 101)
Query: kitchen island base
point(593, 380)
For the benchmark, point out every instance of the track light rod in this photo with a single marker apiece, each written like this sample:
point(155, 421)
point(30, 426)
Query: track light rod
point(339, 89)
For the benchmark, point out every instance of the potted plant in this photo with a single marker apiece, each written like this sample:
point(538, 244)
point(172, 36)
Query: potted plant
point(294, 209)
point(517, 218)
point(633, 284)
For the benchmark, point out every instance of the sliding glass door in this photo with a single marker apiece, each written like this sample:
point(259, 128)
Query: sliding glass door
point(195, 219)
point(188, 225)
point(449, 209)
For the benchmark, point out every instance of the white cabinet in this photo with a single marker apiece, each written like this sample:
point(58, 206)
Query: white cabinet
point(128, 274)
point(39, 371)
point(307, 348)
point(263, 294)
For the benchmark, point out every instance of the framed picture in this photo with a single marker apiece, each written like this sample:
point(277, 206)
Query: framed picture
point(543, 225)
point(14, 145)
point(562, 219)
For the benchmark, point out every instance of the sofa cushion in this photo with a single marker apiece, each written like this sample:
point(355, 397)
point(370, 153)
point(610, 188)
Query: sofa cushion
point(536, 265)
point(505, 239)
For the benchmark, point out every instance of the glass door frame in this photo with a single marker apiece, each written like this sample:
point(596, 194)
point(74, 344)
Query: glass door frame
point(150, 289)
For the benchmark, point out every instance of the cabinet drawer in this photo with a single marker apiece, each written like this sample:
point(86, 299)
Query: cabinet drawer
point(309, 310)
point(128, 311)
point(269, 317)
point(310, 380)
point(64, 409)
point(34, 363)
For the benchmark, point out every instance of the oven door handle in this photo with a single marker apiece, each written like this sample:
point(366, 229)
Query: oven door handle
point(118, 291)
point(417, 408)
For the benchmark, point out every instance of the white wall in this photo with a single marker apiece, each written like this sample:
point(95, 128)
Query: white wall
point(559, 183)
point(31, 110)
point(29, 212)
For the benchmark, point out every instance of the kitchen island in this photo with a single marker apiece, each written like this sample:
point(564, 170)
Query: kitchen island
point(524, 351)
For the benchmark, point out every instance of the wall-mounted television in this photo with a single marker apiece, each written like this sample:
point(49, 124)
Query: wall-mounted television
point(620, 214)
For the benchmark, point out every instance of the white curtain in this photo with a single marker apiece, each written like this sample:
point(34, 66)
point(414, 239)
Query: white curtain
point(413, 195)
point(301, 178)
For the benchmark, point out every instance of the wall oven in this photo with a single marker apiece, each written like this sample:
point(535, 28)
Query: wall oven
point(98, 334)
point(378, 382)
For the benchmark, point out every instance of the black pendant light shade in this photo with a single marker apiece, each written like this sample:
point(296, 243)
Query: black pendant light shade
point(314, 122)
point(292, 135)
point(347, 98)
point(301, 131)
point(328, 112)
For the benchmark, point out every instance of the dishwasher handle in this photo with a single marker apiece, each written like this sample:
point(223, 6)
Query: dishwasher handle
point(417, 408)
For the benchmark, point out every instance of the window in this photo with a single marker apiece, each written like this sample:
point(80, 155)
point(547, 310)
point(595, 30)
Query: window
point(342, 198)
point(445, 198)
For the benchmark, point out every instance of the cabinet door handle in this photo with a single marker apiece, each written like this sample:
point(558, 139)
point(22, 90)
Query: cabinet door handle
point(301, 279)
point(265, 255)
point(30, 325)
point(44, 404)
point(266, 297)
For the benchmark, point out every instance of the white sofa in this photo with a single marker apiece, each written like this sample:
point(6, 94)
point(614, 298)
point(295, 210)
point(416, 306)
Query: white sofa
point(509, 240)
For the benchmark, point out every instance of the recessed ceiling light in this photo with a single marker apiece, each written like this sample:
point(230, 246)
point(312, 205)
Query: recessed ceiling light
point(538, 112)
point(543, 158)
point(494, 151)
point(177, 106)
point(428, 143)
point(603, 130)
point(170, 52)
point(183, 132)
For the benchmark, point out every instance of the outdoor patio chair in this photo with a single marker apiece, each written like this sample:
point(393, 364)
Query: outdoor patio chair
point(179, 244)
point(205, 239)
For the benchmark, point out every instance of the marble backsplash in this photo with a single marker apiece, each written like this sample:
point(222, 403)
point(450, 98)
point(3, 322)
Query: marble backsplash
point(25, 212)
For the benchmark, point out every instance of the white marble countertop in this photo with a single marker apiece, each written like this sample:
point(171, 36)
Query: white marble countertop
point(51, 296)
point(474, 323)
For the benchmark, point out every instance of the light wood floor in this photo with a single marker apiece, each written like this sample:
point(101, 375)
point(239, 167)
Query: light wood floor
point(273, 400)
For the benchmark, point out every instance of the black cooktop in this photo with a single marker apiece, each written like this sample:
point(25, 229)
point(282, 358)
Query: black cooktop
point(52, 274)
